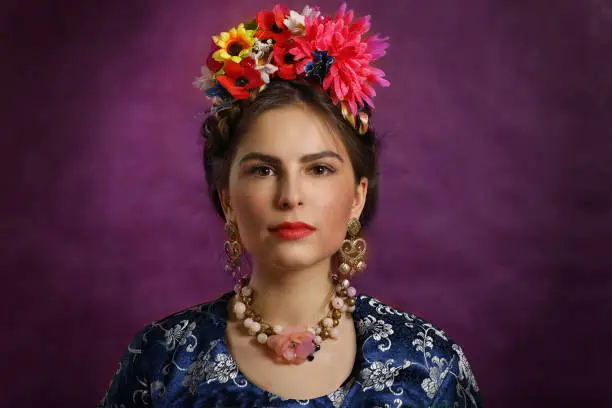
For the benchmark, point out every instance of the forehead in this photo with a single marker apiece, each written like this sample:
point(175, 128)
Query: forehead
point(290, 132)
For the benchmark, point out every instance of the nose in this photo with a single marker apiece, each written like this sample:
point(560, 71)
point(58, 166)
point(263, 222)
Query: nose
point(289, 193)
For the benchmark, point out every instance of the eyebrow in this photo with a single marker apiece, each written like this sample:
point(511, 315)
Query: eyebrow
point(304, 159)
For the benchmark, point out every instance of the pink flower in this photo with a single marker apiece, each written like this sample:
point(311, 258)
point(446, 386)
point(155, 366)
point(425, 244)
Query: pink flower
point(293, 345)
point(350, 77)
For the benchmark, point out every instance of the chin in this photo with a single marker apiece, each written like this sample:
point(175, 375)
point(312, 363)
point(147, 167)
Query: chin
point(293, 256)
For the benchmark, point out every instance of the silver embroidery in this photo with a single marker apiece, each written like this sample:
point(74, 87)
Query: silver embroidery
point(379, 329)
point(437, 373)
point(465, 371)
point(179, 334)
point(337, 397)
point(380, 375)
point(222, 369)
point(398, 404)
point(142, 394)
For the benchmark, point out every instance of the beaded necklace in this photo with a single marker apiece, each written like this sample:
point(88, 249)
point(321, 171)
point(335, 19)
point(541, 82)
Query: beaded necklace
point(295, 344)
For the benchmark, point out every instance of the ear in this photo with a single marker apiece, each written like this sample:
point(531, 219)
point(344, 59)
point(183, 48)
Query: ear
point(224, 198)
point(361, 192)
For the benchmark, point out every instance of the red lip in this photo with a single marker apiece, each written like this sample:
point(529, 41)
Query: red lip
point(293, 230)
point(292, 226)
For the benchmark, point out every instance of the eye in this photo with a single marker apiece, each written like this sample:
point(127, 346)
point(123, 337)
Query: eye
point(261, 171)
point(322, 170)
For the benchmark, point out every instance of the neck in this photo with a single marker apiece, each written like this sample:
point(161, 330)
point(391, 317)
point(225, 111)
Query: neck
point(295, 297)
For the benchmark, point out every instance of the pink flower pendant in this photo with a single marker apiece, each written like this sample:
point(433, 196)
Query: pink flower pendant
point(293, 345)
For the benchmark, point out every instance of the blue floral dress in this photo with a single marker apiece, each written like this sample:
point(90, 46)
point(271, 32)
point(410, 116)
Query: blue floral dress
point(183, 361)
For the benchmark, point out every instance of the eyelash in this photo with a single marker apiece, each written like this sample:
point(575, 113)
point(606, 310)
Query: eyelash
point(328, 169)
point(256, 170)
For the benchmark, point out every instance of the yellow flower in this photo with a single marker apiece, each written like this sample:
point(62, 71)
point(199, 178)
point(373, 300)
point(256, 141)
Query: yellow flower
point(234, 45)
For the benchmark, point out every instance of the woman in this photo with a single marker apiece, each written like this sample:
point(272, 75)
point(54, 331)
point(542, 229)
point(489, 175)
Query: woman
point(290, 160)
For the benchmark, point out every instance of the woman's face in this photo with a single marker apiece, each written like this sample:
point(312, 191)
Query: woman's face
point(289, 167)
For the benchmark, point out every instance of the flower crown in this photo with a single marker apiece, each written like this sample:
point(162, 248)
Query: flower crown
point(330, 51)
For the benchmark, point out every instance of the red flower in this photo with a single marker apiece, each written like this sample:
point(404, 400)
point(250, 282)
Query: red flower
point(211, 63)
point(271, 24)
point(283, 59)
point(240, 78)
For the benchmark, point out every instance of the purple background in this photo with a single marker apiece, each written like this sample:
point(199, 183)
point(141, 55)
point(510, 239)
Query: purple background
point(495, 222)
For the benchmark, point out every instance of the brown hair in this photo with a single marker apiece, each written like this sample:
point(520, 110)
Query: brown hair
point(224, 131)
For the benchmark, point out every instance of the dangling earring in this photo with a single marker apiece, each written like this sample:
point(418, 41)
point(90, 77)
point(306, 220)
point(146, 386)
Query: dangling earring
point(352, 251)
point(232, 251)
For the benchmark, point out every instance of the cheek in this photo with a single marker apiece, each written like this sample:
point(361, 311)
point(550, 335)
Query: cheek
point(335, 212)
point(251, 210)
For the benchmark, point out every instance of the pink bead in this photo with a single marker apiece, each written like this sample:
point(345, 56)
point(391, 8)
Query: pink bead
point(337, 303)
point(351, 291)
point(318, 340)
point(328, 322)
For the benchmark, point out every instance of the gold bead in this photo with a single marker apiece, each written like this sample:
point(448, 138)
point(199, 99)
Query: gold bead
point(257, 318)
point(361, 266)
point(344, 268)
point(353, 227)
point(336, 322)
point(336, 314)
point(351, 301)
point(231, 230)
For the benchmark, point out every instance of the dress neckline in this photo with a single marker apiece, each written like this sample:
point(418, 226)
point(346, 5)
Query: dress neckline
point(221, 310)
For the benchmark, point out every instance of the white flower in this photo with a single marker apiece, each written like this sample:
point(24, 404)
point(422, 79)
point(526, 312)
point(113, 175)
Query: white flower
point(296, 23)
point(205, 81)
point(261, 49)
point(266, 70)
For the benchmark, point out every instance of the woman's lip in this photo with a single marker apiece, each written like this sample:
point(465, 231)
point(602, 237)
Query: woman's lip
point(293, 225)
point(293, 233)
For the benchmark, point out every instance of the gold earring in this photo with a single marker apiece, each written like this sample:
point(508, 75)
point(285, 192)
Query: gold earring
point(232, 250)
point(352, 250)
